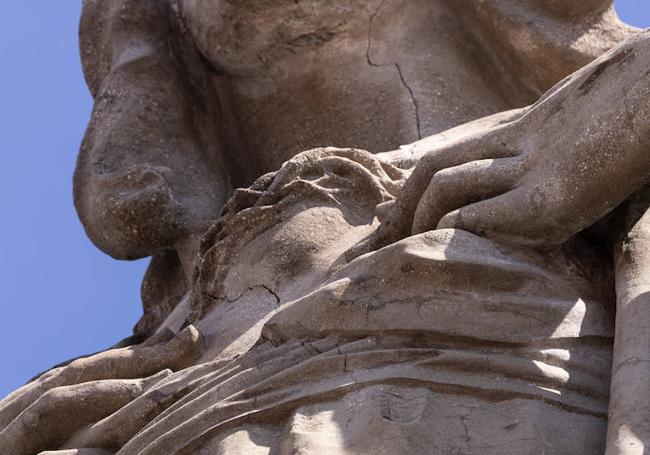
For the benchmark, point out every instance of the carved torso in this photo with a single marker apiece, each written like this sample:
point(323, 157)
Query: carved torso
point(372, 74)
point(300, 322)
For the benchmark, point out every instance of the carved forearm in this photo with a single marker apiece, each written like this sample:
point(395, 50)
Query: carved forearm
point(602, 119)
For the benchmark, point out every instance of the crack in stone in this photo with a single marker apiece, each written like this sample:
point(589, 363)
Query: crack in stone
point(396, 65)
point(369, 45)
point(270, 291)
point(251, 288)
point(416, 106)
point(463, 421)
point(631, 361)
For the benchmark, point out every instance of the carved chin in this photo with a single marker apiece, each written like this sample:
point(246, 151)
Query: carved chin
point(134, 215)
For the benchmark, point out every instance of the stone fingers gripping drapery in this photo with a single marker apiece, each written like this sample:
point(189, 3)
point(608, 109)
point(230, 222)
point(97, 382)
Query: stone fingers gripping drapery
point(407, 324)
point(434, 341)
point(397, 342)
point(48, 411)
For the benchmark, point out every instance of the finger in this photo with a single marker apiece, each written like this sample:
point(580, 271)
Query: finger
point(398, 222)
point(118, 428)
point(56, 415)
point(125, 363)
point(480, 147)
point(512, 217)
point(383, 210)
point(480, 218)
point(456, 187)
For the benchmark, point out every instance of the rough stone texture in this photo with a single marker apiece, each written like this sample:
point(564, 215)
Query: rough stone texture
point(481, 290)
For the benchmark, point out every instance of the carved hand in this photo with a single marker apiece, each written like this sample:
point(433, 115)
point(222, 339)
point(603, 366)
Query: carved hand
point(86, 391)
point(553, 171)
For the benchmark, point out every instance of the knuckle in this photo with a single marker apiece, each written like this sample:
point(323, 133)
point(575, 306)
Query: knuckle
point(450, 220)
point(431, 160)
point(441, 179)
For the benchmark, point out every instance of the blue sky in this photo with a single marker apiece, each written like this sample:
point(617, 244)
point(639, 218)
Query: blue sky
point(60, 296)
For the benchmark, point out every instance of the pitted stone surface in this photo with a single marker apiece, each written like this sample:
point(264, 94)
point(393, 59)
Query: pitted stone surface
point(316, 286)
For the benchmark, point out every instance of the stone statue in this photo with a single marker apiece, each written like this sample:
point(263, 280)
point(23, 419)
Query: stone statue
point(482, 290)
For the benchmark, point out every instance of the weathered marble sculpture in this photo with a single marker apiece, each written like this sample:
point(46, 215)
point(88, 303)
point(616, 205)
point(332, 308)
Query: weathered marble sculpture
point(483, 290)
